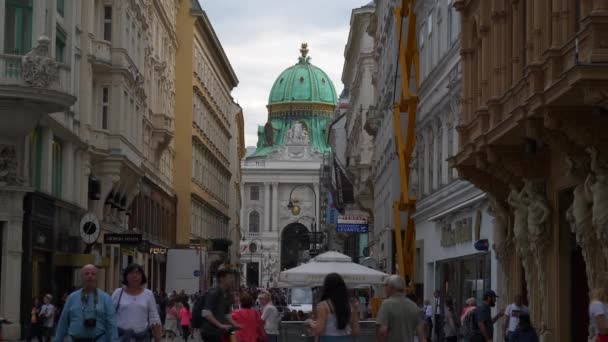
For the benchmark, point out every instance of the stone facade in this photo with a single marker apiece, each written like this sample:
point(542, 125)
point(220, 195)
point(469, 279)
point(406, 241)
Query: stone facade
point(204, 138)
point(359, 68)
point(531, 135)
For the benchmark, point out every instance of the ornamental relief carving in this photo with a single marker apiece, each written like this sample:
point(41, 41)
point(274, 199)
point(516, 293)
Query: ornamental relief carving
point(9, 173)
point(38, 68)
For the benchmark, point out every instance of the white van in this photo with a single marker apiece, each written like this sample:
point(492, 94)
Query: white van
point(300, 299)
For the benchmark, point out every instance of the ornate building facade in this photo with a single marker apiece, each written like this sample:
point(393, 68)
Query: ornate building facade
point(204, 137)
point(451, 214)
point(359, 68)
point(284, 171)
point(531, 136)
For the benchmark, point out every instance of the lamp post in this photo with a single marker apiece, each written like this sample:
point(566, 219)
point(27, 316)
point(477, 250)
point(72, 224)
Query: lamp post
point(295, 210)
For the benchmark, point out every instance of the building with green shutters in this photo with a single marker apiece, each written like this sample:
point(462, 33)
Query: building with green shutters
point(284, 168)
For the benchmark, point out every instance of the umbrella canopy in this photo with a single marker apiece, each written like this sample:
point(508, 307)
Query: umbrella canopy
point(313, 273)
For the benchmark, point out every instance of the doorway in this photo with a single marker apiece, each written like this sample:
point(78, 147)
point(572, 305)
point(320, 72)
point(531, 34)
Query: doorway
point(294, 241)
point(253, 274)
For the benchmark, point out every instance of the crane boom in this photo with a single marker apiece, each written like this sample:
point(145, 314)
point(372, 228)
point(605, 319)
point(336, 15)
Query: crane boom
point(410, 65)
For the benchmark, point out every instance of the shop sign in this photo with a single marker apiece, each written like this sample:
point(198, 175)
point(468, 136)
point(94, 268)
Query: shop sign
point(462, 232)
point(122, 239)
point(352, 224)
point(155, 250)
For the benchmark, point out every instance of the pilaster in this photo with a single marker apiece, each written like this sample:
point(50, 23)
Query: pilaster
point(317, 204)
point(275, 207)
point(266, 226)
point(46, 176)
point(68, 180)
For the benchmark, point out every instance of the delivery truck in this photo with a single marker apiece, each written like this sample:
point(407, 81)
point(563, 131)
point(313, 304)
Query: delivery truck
point(185, 270)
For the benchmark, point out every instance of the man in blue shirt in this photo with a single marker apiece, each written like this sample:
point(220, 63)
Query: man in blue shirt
point(88, 314)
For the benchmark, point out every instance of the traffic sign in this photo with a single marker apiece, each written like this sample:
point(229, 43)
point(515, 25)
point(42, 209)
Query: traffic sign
point(352, 224)
point(196, 273)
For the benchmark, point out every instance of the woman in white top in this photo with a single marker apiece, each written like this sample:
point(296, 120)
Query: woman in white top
point(47, 314)
point(136, 315)
point(337, 319)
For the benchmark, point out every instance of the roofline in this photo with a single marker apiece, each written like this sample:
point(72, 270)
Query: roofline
point(205, 24)
point(355, 13)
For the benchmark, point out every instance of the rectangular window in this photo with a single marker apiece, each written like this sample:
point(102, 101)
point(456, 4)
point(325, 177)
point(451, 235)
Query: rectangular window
point(60, 40)
point(107, 23)
point(255, 193)
point(105, 104)
point(18, 27)
point(57, 168)
point(430, 24)
point(61, 7)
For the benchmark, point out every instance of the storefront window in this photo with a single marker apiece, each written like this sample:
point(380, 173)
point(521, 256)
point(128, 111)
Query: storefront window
point(465, 277)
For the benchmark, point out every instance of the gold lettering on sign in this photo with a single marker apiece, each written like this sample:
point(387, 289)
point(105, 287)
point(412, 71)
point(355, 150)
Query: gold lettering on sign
point(460, 231)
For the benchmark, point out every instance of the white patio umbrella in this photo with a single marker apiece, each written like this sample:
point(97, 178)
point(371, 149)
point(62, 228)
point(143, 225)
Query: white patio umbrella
point(313, 273)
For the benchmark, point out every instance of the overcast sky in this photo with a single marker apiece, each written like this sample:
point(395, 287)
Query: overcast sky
point(262, 38)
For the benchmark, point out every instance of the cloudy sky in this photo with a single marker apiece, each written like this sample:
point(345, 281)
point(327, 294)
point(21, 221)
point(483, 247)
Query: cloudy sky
point(263, 37)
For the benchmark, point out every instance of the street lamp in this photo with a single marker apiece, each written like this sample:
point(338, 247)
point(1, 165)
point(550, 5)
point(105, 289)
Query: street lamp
point(295, 210)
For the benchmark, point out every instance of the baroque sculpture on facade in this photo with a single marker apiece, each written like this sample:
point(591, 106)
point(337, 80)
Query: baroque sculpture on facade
point(579, 217)
point(539, 237)
point(8, 166)
point(297, 135)
point(596, 188)
point(38, 68)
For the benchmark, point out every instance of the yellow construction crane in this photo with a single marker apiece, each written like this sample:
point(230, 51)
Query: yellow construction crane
point(408, 103)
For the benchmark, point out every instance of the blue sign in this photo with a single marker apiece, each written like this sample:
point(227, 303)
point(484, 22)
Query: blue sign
point(332, 212)
point(352, 224)
point(197, 273)
point(482, 245)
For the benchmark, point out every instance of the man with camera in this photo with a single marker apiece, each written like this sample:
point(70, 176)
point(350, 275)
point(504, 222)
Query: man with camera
point(88, 314)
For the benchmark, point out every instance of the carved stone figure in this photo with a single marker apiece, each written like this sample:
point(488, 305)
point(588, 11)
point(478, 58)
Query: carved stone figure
point(268, 134)
point(519, 203)
point(8, 166)
point(539, 237)
point(596, 188)
point(579, 217)
point(502, 231)
point(297, 134)
point(38, 68)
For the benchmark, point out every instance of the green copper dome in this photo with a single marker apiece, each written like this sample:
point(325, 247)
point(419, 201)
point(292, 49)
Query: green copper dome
point(300, 84)
point(301, 105)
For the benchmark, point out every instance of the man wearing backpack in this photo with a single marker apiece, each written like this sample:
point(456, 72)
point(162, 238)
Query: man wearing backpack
point(216, 308)
point(483, 324)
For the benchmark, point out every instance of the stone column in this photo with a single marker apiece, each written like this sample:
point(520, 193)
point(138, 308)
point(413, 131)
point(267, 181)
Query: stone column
point(11, 228)
point(266, 223)
point(318, 205)
point(275, 207)
point(242, 211)
point(67, 178)
point(46, 169)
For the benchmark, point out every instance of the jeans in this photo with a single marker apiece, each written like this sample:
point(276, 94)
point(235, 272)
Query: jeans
point(273, 338)
point(335, 339)
point(511, 336)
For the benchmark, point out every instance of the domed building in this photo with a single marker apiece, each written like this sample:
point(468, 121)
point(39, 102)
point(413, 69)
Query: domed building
point(280, 179)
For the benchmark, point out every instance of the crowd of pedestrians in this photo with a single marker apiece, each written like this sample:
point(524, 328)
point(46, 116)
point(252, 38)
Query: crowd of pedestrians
point(133, 313)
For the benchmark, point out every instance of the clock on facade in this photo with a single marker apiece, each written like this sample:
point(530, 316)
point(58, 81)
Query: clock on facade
point(89, 228)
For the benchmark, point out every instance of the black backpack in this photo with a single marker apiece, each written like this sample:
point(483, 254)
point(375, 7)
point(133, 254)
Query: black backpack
point(197, 313)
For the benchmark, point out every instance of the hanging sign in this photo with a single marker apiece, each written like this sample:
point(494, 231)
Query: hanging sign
point(352, 224)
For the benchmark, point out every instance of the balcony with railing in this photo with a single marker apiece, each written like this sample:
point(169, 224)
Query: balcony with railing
point(101, 51)
point(162, 132)
point(30, 86)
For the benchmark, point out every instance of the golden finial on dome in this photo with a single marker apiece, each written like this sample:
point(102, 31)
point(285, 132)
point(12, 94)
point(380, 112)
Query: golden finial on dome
point(304, 51)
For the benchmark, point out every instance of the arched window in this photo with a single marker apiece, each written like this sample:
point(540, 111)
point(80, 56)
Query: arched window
point(254, 222)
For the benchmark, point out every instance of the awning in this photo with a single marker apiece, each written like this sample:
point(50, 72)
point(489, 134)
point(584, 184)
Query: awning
point(458, 206)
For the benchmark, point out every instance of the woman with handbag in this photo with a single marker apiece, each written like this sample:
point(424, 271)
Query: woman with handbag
point(249, 320)
point(137, 317)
